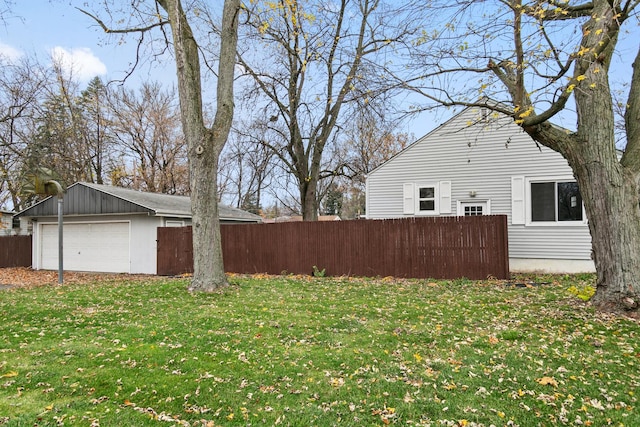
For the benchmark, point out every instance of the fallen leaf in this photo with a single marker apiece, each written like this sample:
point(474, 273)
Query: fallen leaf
point(547, 381)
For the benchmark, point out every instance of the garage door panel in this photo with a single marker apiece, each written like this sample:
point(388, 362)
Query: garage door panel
point(87, 247)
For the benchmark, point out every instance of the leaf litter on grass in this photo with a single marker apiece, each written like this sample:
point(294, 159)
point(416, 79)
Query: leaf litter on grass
point(296, 350)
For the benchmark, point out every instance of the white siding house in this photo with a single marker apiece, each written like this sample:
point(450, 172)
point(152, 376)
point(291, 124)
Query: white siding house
point(481, 164)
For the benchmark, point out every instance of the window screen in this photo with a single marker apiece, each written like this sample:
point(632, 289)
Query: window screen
point(569, 202)
point(427, 198)
point(543, 206)
point(555, 201)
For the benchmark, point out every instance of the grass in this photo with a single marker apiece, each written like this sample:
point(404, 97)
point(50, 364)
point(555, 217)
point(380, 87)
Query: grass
point(304, 351)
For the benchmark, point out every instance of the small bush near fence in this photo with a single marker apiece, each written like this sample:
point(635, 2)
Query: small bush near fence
point(440, 248)
point(15, 251)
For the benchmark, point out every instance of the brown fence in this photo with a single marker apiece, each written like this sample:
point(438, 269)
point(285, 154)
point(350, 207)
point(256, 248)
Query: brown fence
point(440, 248)
point(15, 251)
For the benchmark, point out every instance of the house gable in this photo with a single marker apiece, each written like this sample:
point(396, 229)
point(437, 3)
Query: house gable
point(474, 164)
point(82, 200)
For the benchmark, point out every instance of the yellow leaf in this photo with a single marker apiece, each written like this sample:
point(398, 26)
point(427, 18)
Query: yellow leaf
point(581, 77)
point(526, 113)
point(10, 374)
point(547, 381)
point(48, 408)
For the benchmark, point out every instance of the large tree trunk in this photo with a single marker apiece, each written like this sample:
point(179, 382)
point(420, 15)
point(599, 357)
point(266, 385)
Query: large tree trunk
point(208, 263)
point(609, 186)
point(204, 144)
point(611, 201)
point(308, 200)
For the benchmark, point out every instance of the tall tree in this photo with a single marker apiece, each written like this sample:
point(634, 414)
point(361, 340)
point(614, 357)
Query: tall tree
point(249, 165)
point(146, 126)
point(204, 142)
point(319, 58)
point(97, 135)
point(64, 139)
point(22, 85)
point(534, 61)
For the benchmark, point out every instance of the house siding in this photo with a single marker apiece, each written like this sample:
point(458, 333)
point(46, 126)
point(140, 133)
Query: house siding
point(481, 158)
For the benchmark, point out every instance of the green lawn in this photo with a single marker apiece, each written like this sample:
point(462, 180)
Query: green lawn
point(326, 351)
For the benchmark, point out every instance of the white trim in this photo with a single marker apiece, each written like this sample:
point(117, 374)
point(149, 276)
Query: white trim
point(556, 179)
point(436, 199)
point(485, 202)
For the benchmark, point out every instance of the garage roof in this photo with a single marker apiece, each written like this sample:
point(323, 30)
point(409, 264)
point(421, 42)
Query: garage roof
point(84, 198)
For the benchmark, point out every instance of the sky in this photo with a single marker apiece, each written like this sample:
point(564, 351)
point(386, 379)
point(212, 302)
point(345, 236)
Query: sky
point(55, 29)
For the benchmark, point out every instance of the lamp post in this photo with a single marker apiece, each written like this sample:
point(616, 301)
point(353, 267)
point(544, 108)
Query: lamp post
point(60, 227)
point(38, 182)
point(54, 187)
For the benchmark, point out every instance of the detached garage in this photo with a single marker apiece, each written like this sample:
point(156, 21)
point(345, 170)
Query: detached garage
point(110, 229)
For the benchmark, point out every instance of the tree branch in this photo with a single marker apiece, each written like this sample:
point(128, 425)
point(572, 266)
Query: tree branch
point(108, 30)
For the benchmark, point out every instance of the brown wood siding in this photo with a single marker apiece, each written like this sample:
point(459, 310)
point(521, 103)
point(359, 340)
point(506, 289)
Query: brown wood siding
point(15, 251)
point(439, 248)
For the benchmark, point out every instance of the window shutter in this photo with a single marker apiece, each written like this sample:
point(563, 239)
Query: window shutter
point(408, 194)
point(517, 200)
point(445, 197)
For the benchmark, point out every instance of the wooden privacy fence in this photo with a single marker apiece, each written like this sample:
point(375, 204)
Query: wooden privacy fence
point(441, 248)
point(15, 251)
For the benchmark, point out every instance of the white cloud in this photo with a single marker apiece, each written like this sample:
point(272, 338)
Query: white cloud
point(9, 52)
point(81, 63)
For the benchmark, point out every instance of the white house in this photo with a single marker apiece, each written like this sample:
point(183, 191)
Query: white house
point(110, 229)
point(6, 222)
point(480, 163)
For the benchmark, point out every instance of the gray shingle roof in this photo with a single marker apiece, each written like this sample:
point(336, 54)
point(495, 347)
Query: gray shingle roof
point(128, 201)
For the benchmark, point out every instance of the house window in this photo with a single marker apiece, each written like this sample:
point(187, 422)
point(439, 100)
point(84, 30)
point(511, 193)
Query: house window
point(474, 207)
point(555, 201)
point(427, 199)
point(473, 210)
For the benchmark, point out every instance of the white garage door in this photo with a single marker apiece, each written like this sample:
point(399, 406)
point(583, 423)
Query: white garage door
point(100, 247)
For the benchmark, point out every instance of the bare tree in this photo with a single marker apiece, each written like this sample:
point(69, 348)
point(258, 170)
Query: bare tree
point(205, 143)
point(250, 165)
point(318, 54)
point(146, 125)
point(368, 141)
point(22, 85)
point(534, 61)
